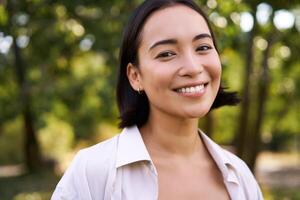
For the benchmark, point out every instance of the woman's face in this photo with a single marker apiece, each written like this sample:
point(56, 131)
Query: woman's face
point(179, 68)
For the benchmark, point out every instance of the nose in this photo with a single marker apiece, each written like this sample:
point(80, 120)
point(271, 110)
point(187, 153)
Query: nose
point(190, 65)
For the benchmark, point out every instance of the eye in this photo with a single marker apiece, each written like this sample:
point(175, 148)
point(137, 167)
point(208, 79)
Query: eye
point(166, 54)
point(204, 48)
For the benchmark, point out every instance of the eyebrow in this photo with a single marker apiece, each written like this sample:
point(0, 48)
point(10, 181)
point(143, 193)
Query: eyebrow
point(174, 41)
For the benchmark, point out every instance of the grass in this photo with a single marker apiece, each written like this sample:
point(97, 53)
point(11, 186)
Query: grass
point(282, 194)
point(38, 186)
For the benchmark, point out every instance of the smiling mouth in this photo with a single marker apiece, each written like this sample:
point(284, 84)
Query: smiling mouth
point(191, 89)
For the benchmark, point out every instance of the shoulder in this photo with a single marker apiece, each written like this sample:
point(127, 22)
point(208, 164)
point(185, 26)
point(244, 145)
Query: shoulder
point(245, 176)
point(96, 159)
point(238, 164)
point(88, 172)
point(230, 161)
point(101, 152)
point(235, 160)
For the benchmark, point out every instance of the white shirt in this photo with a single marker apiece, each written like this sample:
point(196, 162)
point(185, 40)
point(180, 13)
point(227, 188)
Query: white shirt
point(121, 169)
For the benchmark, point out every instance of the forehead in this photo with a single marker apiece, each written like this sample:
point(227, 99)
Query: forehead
point(178, 21)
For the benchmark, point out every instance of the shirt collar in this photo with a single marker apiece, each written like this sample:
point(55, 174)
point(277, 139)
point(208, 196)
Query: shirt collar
point(131, 147)
point(221, 158)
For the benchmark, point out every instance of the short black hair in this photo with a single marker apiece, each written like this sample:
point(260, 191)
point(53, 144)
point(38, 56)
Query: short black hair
point(134, 107)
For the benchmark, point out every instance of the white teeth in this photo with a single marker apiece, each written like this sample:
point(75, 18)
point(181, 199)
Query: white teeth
point(194, 89)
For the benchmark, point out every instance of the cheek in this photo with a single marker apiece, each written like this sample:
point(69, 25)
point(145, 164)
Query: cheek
point(155, 85)
point(218, 71)
point(215, 68)
point(157, 76)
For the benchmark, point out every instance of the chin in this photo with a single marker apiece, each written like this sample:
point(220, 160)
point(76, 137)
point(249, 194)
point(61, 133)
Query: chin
point(197, 113)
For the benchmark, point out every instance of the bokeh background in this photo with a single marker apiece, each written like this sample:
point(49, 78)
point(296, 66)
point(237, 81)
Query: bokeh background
point(58, 66)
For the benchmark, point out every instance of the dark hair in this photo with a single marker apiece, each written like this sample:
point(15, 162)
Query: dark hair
point(134, 107)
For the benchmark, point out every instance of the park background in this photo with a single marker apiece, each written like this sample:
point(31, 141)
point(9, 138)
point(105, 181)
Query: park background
point(58, 69)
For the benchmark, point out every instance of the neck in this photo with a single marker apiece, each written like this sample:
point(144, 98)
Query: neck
point(173, 136)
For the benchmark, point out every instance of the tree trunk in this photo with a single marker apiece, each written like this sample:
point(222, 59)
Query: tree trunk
point(263, 86)
point(1, 129)
point(31, 147)
point(242, 134)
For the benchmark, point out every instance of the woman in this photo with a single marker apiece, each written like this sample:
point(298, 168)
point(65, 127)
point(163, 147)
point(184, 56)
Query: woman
point(169, 77)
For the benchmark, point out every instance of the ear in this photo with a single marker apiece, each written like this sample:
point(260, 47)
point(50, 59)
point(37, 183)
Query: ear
point(134, 77)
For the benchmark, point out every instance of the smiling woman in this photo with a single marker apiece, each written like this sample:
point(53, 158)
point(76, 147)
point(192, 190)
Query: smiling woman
point(169, 77)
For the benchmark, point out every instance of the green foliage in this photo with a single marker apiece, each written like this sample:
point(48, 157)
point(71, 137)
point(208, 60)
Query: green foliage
point(38, 186)
point(232, 64)
point(56, 138)
point(224, 125)
point(71, 64)
point(11, 142)
point(279, 194)
point(3, 15)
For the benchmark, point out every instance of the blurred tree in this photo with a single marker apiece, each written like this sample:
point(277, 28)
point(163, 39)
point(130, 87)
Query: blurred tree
point(257, 80)
point(67, 56)
point(31, 148)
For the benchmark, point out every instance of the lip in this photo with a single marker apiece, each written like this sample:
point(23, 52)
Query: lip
point(192, 85)
point(198, 94)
